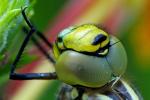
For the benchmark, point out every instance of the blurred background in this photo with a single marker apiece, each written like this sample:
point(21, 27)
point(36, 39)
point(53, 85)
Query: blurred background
point(126, 19)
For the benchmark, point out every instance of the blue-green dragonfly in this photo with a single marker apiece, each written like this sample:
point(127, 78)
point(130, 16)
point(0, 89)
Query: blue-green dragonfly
point(87, 59)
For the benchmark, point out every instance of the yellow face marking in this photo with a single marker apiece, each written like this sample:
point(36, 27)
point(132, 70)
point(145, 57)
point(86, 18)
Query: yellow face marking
point(81, 39)
point(61, 45)
point(56, 51)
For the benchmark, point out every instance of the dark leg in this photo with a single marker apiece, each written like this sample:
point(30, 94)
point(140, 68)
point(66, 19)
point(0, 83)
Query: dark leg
point(39, 46)
point(28, 76)
point(44, 39)
point(80, 92)
point(32, 76)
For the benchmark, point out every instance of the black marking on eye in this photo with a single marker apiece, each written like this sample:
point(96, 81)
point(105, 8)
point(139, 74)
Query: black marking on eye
point(59, 39)
point(98, 39)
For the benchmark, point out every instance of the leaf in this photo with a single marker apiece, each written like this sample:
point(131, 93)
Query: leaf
point(11, 22)
point(9, 19)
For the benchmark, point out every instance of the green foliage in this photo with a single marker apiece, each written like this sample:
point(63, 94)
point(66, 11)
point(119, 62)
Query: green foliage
point(9, 19)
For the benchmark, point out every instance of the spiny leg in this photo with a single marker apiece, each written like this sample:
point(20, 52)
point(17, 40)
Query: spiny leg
point(39, 46)
point(38, 33)
point(28, 76)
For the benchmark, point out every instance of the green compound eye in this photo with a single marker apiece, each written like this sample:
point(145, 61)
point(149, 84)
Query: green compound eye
point(76, 68)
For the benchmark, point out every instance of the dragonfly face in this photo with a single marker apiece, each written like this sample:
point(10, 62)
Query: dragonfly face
point(88, 56)
point(87, 59)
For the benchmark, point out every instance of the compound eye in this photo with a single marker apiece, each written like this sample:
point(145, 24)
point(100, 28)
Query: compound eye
point(99, 39)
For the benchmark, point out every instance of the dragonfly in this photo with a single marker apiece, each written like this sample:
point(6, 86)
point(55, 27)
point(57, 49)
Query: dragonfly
point(88, 61)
